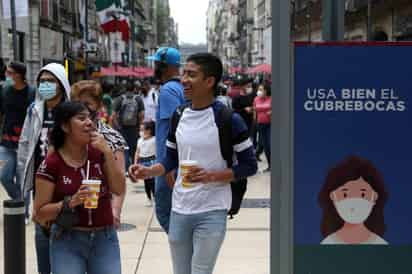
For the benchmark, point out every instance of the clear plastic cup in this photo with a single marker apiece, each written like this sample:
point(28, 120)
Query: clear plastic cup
point(92, 201)
point(185, 167)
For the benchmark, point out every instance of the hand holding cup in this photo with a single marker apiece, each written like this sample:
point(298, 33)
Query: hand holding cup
point(82, 194)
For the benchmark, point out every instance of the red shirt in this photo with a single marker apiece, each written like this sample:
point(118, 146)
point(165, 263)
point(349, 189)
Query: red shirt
point(68, 180)
point(263, 107)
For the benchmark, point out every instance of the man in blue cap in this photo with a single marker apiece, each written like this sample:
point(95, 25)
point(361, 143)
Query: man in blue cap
point(167, 62)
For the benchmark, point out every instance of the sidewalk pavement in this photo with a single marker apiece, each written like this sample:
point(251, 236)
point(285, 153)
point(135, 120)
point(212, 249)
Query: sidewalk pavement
point(144, 246)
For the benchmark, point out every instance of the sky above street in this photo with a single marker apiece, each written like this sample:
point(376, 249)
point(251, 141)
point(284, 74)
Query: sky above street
point(191, 18)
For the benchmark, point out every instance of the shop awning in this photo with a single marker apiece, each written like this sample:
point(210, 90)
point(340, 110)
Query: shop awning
point(262, 68)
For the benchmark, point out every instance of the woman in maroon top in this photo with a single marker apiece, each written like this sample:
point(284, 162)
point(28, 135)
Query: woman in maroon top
point(91, 245)
point(263, 109)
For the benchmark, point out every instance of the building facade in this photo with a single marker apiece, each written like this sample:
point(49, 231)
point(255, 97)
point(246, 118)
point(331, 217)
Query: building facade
point(188, 49)
point(240, 32)
point(392, 17)
point(55, 31)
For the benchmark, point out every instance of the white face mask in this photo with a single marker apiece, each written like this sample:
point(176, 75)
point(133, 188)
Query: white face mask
point(141, 133)
point(354, 210)
point(249, 90)
point(260, 93)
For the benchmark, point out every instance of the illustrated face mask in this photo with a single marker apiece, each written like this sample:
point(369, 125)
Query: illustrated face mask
point(9, 81)
point(354, 210)
point(47, 90)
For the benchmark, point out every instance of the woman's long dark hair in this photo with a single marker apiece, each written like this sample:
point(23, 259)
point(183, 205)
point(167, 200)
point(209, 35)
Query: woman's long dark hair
point(352, 168)
point(62, 114)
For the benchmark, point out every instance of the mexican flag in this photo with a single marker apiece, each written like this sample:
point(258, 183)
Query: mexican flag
point(107, 11)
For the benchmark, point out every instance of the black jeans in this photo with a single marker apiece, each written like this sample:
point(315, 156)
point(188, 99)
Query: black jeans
point(264, 134)
point(149, 187)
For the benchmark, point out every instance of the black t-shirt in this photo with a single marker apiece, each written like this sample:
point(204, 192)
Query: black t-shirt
point(43, 143)
point(239, 103)
point(13, 106)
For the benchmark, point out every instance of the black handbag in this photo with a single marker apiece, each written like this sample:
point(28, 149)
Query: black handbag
point(68, 217)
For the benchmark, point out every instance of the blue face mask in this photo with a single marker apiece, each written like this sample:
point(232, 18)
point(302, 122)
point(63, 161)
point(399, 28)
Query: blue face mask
point(47, 90)
point(9, 82)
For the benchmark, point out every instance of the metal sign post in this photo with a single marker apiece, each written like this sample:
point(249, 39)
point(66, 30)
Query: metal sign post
point(281, 176)
point(333, 20)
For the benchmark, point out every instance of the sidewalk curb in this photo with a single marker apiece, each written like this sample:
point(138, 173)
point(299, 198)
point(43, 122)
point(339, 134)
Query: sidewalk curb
point(146, 234)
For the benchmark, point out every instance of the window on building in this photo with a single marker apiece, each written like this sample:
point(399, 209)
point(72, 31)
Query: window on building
point(44, 8)
point(68, 5)
point(50, 10)
point(261, 14)
point(19, 46)
point(56, 11)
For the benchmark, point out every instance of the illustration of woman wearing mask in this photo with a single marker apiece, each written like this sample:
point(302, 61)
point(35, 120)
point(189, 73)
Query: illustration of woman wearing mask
point(352, 200)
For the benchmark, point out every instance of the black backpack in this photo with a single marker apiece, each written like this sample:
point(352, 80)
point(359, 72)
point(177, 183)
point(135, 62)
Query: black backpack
point(224, 124)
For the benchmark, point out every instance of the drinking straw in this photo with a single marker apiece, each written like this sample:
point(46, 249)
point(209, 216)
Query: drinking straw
point(88, 170)
point(188, 153)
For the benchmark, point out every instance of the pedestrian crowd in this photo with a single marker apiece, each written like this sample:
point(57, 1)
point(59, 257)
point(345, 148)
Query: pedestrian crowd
point(192, 135)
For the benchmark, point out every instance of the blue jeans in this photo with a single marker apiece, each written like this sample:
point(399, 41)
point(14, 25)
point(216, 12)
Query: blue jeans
point(264, 133)
point(42, 250)
point(163, 198)
point(78, 252)
point(195, 241)
point(8, 172)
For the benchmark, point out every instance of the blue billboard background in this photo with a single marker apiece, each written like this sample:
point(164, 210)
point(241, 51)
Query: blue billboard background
point(324, 138)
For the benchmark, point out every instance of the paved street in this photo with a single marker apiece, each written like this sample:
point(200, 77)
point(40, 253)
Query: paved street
point(144, 247)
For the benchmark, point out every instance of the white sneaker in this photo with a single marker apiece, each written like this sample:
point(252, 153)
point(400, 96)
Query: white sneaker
point(148, 203)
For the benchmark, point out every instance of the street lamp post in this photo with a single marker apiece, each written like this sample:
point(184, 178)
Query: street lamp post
point(86, 36)
point(14, 28)
point(309, 20)
point(369, 22)
point(333, 20)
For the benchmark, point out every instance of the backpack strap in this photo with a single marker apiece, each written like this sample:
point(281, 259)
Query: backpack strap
point(176, 117)
point(154, 98)
point(224, 124)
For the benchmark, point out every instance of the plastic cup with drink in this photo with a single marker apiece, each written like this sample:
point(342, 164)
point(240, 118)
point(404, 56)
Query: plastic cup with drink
point(92, 201)
point(185, 168)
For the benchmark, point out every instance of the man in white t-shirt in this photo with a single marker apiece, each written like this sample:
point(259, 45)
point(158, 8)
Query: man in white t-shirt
point(149, 98)
point(199, 208)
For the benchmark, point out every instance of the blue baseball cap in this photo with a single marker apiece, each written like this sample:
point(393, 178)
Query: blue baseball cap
point(170, 56)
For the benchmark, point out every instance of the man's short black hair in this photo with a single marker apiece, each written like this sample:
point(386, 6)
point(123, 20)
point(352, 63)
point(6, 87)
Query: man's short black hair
point(211, 65)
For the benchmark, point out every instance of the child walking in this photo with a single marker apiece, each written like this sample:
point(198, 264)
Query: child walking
point(146, 155)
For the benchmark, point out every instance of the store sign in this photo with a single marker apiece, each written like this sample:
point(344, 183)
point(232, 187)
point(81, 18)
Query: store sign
point(352, 158)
